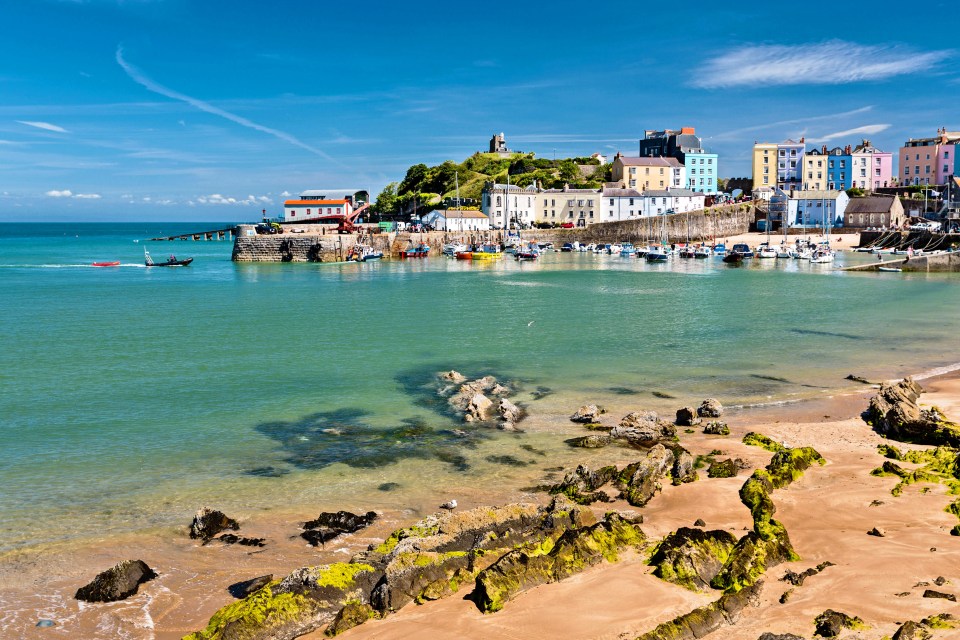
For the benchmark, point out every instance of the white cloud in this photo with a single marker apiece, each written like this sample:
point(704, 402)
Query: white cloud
point(138, 76)
point(46, 126)
point(866, 130)
point(832, 62)
point(66, 193)
point(219, 199)
point(285, 194)
point(88, 196)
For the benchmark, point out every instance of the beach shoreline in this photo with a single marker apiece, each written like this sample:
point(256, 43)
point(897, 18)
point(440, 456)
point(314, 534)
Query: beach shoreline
point(193, 578)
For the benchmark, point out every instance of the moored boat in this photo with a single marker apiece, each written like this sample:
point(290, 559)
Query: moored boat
point(416, 251)
point(743, 249)
point(734, 257)
point(656, 253)
point(364, 253)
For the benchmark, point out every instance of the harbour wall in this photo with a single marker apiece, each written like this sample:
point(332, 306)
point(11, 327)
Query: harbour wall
point(318, 244)
point(938, 263)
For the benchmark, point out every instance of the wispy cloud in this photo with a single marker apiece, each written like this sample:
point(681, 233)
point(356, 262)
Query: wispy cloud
point(218, 199)
point(866, 130)
point(140, 78)
point(733, 134)
point(46, 126)
point(832, 62)
point(88, 196)
point(66, 193)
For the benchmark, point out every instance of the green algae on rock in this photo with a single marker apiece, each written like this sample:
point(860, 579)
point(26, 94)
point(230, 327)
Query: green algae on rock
point(759, 440)
point(692, 557)
point(706, 619)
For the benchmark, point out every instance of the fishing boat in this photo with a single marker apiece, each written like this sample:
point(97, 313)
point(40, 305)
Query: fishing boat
point(172, 262)
point(416, 251)
point(483, 252)
point(364, 253)
point(627, 250)
point(115, 263)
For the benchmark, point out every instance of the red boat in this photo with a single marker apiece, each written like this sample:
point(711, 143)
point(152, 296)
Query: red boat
point(106, 264)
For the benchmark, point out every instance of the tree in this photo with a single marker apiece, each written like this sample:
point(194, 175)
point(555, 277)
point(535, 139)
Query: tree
point(855, 192)
point(387, 200)
point(413, 181)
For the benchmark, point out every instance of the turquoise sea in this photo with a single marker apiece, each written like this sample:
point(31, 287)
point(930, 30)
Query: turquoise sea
point(130, 396)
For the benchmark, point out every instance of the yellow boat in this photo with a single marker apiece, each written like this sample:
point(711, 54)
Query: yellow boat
point(487, 252)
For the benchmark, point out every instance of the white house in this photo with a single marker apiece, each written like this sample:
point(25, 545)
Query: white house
point(313, 204)
point(508, 205)
point(620, 204)
point(456, 220)
point(657, 203)
point(815, 208)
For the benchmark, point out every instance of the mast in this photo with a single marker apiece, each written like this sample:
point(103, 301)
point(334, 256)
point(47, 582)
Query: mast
point(456, 178)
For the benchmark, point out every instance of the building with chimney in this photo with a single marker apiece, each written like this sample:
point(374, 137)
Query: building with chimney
point(926, 161)
point(687, 148)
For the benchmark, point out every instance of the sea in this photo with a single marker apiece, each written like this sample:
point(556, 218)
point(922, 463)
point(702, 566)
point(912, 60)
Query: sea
point(133, 395)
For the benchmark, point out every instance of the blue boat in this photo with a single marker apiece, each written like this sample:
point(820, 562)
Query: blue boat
point(743, 249)
point(719, 249)
point(656, 254)
point(627, 250)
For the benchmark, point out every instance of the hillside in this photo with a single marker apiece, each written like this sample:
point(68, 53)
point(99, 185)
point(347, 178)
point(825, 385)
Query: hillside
point(429, 186)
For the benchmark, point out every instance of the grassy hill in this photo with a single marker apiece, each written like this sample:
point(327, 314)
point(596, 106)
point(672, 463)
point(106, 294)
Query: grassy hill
point(428, 186)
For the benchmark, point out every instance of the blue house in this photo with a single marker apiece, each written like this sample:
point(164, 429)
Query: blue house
point(839, 168)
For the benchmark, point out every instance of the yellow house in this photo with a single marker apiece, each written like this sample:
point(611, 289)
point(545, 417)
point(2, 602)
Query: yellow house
point(764, 165)
point(814, 176)
point(644, 174)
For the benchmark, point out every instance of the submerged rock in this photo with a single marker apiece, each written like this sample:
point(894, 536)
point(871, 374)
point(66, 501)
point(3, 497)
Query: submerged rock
point(229, 538)
point(588, 413)
point(692, 558)
point(209, 522)
point(509, 412)
point(594, 441)
point(117, 583)
point(478, 408)
point(453, 376)
point(710, 408)
point(343, 521)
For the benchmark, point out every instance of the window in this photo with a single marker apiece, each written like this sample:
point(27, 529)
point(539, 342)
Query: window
point(308, 211)
point(819, 163)
point(877, 172)
point(709, 160)
point(831, 164)
point(843, 164)
point(579, 203)
point(293, 213)
point(611, 202)
point(926, 169)
point(946, 156)
point(553, 203)
point(916, 169)
point(782, 153)
point(945, 169)
point(589, 203)
point(906, 170)
point(631, 202)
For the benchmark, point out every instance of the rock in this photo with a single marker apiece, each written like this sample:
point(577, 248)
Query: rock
point(716, 428)
point(779, 636)
point(876, 532)
point(352, 615)
point(830, 623)
point(117, 583)
point(894, 413)
point(692, 557)
point(687, 417)
point(930, 593)
point(452, 504)
point(785, 596)
point(588, 413)
point(478, 408)
point(722, 469)
point(643, 429)
point(910, 630)
point(582, 485)
point(640, 481)
point(209, 522)
point(229, 538)
point(593, 441)
point(342, 521)
point(500, 390)
point(699, 523)
point(941, 621)
point(704, 620)
point(453, 376)
point(940, 581)
point(575, 549)
point(509, 412)
point(710, 408)
point(320, 536)
point(797, 579)
point(857, 378)
point(682, 470)
point(244, 588)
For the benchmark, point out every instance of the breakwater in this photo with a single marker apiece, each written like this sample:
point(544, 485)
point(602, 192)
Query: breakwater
point(316, 244)
point(940, 262)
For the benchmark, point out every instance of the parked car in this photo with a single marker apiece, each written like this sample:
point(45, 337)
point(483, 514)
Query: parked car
point(925, 226)
point(566, 225)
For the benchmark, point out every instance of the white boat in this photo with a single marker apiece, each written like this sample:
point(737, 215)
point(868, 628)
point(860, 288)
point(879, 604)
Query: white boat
point(657, 253)
point(702, 252)
point(783, 251)
point(766, 251)
point(615, 248)
point(453, 248)
point(821, 255)
point(893, 269)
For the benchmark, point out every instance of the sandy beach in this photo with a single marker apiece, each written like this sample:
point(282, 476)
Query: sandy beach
point(827, 513)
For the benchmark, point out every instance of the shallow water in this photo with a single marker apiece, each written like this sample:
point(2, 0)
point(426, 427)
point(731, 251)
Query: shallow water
point(131, 396)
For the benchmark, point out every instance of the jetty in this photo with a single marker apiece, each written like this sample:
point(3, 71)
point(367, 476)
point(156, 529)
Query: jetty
point(935, 262)
point(226, 233)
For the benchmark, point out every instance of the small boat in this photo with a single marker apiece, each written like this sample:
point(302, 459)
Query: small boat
point(656, 254)
point(364, 253)
point(701, 252)
point(891, 269)
point(172, 262)
point(783, 251)
point(452, 248)
point(719, 249)
point(686, 251)
point(569, 246)
point(525, 255)
point(416, 251)
point(766, 252)
point(744, 250)
point(734, 257)
point(487, 252)
point(627, 250)
point(821, 256)
point(106, 264)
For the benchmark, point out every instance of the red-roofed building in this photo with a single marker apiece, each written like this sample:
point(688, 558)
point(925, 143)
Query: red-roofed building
point(313, 205)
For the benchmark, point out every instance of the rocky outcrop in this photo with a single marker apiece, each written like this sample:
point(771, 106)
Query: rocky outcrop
point(710, 408)
point(453, 376)
point(640, 481)
point(588, 414)
point(703, 621)
point(692, 558)
point(471, 399)
point(716, 428)
point(895, 413)
point(478, 408)
point(209, 522)
point(116, 583)
point(687, 417)
point(328, 526)
point(643, 429)
point(831, 623)
point(352, 615)
point(582, 485)
point(592, 441)
point(683, 470)
point(554, 560)
point(722, 469)
point(910, 630)
point(509, 412)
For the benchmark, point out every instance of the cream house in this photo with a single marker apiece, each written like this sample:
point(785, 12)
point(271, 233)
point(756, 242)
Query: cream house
point(643, 174)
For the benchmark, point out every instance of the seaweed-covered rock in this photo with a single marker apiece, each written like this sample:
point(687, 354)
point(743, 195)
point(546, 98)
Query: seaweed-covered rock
point(209, 522)
point(305, 600)
point(229, 538)
point(640, 481)
point(692, 558)
point(710, 408)
point(592, 441)
point(352, 615)
point(750, 558)
point(554, 560)
point(716, 428)
point(683, 470)
point(643, 429)
point(116, 583)
point(582, 484)
point(830, 623)
point(779, 636)
point(704, 620)
point(687, 417)
point(797, 579)
point(762, 441)
point(722, 469)
point(587, 414)
point(911, 630)
point(894, 413)
point(415, 576)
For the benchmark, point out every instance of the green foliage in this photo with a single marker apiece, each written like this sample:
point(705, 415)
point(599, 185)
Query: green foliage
point(387, 200)
point(759, 440)
point(855, 192)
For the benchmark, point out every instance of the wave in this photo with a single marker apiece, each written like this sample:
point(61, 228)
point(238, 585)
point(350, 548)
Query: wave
point(938, 371)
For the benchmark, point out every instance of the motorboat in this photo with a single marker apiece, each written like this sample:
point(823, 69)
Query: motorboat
point(421, 250)
point(172, 262)
point(364, 253)
point(686, 251)
point(115, 263)
point(656, 254)
point(734, 257)
point(452, 248)
point(719, 249)
point(567, 247)
point(702, 251)
point(743, 249)
point(766, 252)
point(483, 252)
point(783, 251)
point(821, 255)
point(627, 250)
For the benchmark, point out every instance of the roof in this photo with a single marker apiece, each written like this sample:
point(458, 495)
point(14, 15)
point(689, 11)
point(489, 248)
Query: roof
point(672, 192)
point(617, 192)
point(871, 204)
point(301, 203)
point(503, 187)
point(631, 161)
point(456, 213)
point(814, 195)
point(592, 192)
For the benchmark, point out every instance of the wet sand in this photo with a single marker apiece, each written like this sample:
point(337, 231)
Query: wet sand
point(827, 514)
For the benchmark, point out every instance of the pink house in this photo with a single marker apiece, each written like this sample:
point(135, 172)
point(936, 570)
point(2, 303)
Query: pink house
point(928, 160)
point(871, 168)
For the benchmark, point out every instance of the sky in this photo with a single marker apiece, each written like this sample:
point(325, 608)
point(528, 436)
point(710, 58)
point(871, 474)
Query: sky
point(208, 110)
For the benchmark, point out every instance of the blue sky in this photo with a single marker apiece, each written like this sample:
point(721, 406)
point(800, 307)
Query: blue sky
point(210, 110)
